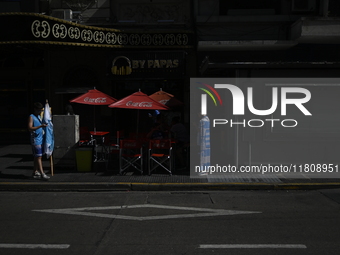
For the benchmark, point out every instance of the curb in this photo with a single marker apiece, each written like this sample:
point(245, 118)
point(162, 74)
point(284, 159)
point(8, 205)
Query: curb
point(65, 186)
point(230, 186)
point(125, 186)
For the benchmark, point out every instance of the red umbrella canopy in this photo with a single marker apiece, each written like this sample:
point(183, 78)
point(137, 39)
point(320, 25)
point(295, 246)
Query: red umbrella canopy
point(138, 100)
point(94, 97)
point(166, 99)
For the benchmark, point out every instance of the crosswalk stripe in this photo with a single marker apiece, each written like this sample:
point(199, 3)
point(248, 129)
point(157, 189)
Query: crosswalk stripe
point(252, 246)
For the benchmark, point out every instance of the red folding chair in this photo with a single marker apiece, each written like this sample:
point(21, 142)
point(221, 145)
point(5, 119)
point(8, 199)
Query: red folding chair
point(116, 142)
point(160, 155)
point(130, 155)
point(84, 136)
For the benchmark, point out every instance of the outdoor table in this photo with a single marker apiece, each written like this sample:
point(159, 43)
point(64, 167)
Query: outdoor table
point(99, 135)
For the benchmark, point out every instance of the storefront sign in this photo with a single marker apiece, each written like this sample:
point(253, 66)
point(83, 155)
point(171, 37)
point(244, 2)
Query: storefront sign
point(152, 64)
point(37, 28)
point(157, 63)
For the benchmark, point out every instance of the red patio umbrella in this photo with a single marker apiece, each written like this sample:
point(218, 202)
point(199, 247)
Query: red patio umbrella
point(138, 101)
point(94, 97)
point(166, 99)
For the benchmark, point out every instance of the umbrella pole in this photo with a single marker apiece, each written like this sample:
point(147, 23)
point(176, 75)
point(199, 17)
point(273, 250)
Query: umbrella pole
point(137, 123)
point(51, 163)
point(94, 118)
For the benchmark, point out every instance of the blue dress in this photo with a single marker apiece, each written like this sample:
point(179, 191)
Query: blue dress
point(37, 135)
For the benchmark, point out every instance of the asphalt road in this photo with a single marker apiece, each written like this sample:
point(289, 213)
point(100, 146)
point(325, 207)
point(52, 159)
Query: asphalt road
point(229, 222)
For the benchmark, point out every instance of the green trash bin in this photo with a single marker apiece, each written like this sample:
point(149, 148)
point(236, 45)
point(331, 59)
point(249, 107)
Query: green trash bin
point(84, 159)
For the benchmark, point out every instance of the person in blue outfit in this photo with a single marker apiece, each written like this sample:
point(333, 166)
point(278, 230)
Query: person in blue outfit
point(36, 128)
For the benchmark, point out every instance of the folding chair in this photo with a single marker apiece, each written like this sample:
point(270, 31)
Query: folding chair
point(84, 136)
point(114, 145)
point(160, 155)
point(119, 136)
point(130, 155)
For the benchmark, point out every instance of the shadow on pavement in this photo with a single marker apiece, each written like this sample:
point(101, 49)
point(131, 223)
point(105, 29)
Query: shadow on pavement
point(14, 176)
point(22, 157)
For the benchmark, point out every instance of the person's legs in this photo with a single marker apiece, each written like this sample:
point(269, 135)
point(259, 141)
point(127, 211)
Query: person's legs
point(38, 167)
point(36, 171)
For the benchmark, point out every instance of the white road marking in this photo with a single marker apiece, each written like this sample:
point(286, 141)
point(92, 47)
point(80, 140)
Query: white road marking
point(202, 212)
point(252, 246)
point(34, 246)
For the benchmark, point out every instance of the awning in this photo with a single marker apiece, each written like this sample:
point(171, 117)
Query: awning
point(33, 28)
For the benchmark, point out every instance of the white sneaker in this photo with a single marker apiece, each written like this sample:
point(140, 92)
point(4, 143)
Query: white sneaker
point(36, 175)
point(45, 177)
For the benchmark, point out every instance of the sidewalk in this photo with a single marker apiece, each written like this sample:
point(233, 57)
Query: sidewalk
point(16, 168)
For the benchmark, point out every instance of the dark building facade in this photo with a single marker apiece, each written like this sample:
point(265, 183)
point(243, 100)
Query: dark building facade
point(68, 47)
point(57, 50)
point(249, 39)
